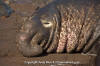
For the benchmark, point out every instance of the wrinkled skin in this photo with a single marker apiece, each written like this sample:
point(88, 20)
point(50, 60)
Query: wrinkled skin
point(5, 10)
point(69, 26)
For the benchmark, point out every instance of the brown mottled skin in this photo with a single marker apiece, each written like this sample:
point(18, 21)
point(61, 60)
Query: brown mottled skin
point(62, 26)
point(5, 10)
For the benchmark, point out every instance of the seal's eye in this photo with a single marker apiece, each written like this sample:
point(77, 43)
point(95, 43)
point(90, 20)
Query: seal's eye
point(46, 23)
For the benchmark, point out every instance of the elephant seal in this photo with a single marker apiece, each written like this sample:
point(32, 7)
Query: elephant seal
point(5, 10)
point(70, 26)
